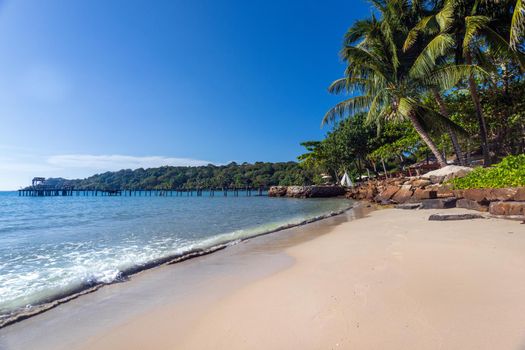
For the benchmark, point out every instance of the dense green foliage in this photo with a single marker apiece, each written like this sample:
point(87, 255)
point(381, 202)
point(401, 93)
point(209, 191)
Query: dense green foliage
point(510, 172)
point(233, 175)
point(450, 72)
point(355, 146)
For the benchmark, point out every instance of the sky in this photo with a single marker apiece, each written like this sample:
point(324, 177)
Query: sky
point(99, 85)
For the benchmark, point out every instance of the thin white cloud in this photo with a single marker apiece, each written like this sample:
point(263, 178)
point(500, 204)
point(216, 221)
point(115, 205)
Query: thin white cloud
point(116, 161)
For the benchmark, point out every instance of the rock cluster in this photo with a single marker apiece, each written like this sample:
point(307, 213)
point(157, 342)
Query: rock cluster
point(497, 201)
point(316, 191)
point(429, 191)
point(400, 190)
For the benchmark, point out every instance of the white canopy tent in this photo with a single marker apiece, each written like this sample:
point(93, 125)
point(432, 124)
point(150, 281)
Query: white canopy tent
point(346, 182)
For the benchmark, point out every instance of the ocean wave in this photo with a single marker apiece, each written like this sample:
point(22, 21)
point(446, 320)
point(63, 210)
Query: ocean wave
point(56, 272)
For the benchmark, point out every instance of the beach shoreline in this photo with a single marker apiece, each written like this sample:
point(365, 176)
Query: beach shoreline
point(391, 280)
point(59, 299)
point(261, 243)
point(330, 284)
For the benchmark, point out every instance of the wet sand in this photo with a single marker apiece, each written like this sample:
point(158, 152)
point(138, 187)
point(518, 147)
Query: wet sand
point(392, 280)
point(187, 288)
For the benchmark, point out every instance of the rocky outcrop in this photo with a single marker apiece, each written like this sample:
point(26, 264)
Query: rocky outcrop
point(306, 191)
point(472, 205)
point(432, 193)
point(507, 208)
point(447, 173)
point(403, 195)
point(277, 191)
point(422, 193)
point(386, 194)
point(492, 194)
point(439, 203)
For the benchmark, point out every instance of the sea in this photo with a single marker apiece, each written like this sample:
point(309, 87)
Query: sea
point(51, 247)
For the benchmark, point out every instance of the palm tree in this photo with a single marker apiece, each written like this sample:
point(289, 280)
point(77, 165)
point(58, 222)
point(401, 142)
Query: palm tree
point(461, 32)
point(381, 77)
point(517, 25)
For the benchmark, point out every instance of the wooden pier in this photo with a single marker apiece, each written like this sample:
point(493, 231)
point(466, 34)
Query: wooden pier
point(42, 191)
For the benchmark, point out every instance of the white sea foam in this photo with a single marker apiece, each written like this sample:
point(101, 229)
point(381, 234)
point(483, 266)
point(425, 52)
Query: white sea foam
point(58, 254)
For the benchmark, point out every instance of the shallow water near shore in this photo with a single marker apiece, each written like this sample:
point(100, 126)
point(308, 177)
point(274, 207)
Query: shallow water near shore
point(53, 246)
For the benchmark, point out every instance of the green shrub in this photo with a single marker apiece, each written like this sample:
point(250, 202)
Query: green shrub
point(510, 172)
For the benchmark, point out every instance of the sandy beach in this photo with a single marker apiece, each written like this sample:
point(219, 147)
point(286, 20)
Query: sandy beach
point(391, 280)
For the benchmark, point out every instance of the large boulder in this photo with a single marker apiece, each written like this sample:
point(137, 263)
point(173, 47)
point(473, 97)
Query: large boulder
point(298, 191)
point(385, 195)
point(326, 191)
point(502, 194)
point(507, 208)
point(439, 203)
point(473, 205)
point(421, 182)
point(477, 194)
point(277, 191)
point(314, 191)
point(520, 194)
point(420, 193)
point(447, 173)
point(403, 195)
point(453, 217)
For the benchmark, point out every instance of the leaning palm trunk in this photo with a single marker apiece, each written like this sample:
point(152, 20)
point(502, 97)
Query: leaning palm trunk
point(453, 137)
point(479, 114)
point(428, 141)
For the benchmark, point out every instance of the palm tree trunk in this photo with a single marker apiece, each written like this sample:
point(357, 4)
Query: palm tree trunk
point(479, 114)
point(426, 138)
point(453, 137)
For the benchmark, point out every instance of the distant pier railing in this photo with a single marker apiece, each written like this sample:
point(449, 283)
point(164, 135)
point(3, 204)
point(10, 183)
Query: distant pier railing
point(188, 192)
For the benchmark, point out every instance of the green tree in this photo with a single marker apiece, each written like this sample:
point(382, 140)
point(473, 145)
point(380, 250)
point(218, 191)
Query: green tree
point(381, 76)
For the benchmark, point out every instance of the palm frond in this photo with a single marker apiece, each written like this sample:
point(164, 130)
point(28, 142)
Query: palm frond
point(517, 27)
point(347, 107)
point(445, 17)
point(432, 120)
point(435, 49)
point(361, 58)
point(424, 25)
point(473, 25)
point(376, 105)
point(348, 85)
point(502, 48)
point(447, 77)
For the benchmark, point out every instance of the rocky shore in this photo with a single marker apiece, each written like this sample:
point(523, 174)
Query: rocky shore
point(429, 191)
point(315, 191)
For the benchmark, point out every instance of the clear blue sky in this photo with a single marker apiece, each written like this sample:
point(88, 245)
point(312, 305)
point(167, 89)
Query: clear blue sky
point(88, 86)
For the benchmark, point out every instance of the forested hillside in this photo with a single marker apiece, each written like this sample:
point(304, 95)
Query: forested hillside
point(232, 175)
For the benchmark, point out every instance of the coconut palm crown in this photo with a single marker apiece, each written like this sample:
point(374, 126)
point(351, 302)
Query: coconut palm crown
point(388, 82)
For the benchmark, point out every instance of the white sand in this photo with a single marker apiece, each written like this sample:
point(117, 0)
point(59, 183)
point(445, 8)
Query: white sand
point(393, 280)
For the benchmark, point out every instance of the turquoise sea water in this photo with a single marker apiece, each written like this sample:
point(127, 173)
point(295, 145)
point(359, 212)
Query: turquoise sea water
point(50, 246)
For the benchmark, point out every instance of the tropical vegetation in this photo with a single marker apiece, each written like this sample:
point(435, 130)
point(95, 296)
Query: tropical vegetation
point(510, 172)
point(443, 78)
